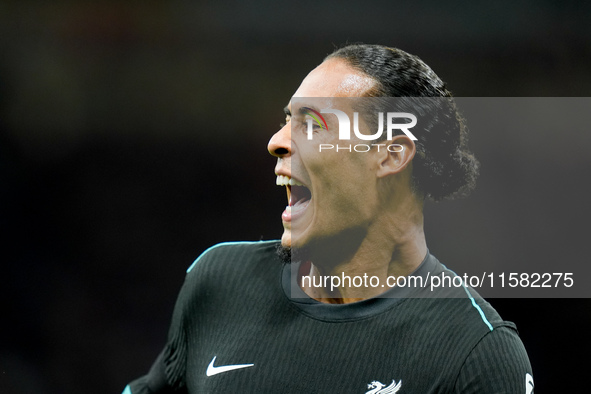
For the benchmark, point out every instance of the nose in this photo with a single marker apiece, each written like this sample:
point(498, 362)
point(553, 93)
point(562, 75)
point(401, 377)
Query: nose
point(280, 144)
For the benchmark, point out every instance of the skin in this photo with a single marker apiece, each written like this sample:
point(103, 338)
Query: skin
point(363, 217)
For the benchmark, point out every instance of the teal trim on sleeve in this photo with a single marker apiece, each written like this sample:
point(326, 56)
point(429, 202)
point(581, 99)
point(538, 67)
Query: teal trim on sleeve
point(224, 244)
point(127, 390)
point(479, 309)
point(474, 304)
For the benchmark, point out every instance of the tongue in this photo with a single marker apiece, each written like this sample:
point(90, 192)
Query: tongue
point(299, 205)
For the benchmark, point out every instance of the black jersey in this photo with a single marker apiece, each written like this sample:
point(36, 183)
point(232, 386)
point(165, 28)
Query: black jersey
point(238, 328)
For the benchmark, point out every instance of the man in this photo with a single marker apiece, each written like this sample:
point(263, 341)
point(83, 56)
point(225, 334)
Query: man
point(249, 321)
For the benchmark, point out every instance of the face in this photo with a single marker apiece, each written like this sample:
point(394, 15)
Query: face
point(329, 193)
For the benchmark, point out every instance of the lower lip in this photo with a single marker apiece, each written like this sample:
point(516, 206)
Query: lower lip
point(295, 211)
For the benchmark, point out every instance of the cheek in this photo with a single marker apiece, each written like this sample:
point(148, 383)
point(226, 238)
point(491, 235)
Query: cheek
point(344, 188)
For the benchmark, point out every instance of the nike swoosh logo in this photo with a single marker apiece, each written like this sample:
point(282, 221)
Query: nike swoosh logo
point(211, 370)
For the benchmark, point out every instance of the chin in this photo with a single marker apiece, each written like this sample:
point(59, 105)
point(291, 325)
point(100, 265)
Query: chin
point(286, 239)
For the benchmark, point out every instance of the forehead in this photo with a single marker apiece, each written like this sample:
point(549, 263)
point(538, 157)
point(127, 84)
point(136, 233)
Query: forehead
point(335, 78)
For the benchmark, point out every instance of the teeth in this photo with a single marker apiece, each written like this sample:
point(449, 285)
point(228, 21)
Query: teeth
point(283, 180)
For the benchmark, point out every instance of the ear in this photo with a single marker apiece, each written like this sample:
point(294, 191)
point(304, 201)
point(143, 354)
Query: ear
point(396, 155)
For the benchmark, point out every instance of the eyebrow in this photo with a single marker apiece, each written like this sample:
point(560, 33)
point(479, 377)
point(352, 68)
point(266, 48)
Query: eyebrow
point(304, 110)
point(301, 110)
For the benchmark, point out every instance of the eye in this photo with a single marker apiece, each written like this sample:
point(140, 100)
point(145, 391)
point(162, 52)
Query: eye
point(315, 125)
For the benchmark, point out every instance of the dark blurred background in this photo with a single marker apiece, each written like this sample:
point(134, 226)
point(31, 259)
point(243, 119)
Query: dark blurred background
point(133, 136)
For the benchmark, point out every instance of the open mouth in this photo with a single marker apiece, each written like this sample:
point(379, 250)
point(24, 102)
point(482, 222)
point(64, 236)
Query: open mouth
point(298, 195)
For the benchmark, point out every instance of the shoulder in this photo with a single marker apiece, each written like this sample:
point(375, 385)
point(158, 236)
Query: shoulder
point(227, 266)
point(232, 252)
point(498, 363)
point(463, 301)
point(491, 354)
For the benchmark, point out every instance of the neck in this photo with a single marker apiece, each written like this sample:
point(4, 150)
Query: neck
point(393, 245)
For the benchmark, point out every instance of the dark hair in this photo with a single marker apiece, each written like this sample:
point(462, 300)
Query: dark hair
point(443, 166)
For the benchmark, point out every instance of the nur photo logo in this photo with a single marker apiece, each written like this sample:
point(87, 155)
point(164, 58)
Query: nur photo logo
point(387, 123)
